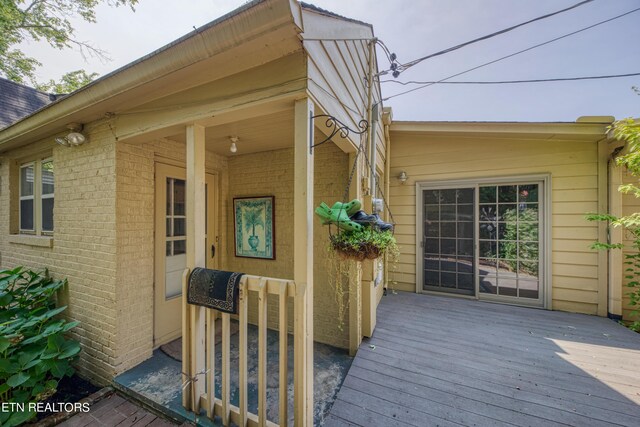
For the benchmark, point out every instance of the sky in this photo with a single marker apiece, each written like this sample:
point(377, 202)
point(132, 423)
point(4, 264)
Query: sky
point(415, 28)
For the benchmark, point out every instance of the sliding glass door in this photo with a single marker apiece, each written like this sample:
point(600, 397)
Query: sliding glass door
point(484, 240)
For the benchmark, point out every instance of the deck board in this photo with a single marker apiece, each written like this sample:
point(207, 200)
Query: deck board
point(449, 361)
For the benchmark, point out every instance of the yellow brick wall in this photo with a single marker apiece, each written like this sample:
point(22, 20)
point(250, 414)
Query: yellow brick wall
point(84, 249)
point(271, 174)
point(104, 230)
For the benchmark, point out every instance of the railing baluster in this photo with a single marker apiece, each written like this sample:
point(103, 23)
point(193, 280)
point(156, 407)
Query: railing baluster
point(226, 356)
point(262, 353)
point(242, 326)
point(211, 362)
point(186, 356)
point(299, 345)
point(283, 370)
point(193, 362)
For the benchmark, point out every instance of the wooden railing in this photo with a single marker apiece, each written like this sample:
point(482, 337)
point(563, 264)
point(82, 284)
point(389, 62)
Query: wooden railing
point(195, 350)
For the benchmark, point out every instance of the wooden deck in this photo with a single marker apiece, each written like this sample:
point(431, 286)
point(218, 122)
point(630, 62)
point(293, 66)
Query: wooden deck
point(438, 361)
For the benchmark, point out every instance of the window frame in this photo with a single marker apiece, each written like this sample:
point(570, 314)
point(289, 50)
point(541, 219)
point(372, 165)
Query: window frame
point(37, 197)
point(43, 196)
point(31, 197)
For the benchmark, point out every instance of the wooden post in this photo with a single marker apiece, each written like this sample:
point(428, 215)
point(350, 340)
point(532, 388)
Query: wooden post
point(368, 293)
point(355, 293)
point(196, 256)
point(603, 202)
point(303, 258)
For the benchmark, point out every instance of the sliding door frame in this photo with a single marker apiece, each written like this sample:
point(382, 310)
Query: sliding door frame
point(544, 238)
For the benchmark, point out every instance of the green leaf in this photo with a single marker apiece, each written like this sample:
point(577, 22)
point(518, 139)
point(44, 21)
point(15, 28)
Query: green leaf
point(69, 349)
point(31, 364)
point(69, 326)
point(25, 358)
point(50, 354)
point(59, 368)
point(5, 299)
point(55, 342)
point(4, 344)
point(33, 339)
point(17, 379)
point(18, 418)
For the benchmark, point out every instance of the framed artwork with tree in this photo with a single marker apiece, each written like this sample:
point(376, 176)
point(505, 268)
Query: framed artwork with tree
point(254, 227)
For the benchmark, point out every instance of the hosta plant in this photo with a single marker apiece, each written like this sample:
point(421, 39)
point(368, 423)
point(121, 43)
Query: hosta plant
point(34, 353)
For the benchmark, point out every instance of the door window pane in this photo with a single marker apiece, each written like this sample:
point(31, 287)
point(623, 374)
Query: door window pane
point(507, 193)
point(179, 192)
point(528, 193)
point(179, 227)
point(179, 247)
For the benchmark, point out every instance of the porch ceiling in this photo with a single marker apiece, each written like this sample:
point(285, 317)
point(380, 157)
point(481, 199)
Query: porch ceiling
point(263, 133)
point(267, 132)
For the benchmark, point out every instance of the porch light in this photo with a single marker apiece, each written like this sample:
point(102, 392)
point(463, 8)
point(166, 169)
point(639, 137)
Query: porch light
point(74, 138)
point(403, 177)
point(234, 147)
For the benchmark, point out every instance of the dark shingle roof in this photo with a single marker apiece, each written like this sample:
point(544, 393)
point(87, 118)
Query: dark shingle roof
point(18, 101)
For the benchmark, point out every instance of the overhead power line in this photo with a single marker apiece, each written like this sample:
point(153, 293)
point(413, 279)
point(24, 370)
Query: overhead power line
point(502, 82)
point(402, 67)
point(513, 54)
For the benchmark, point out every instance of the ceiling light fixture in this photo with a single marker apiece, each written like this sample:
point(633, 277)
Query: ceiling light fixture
point(74, 138)
point(234, 147)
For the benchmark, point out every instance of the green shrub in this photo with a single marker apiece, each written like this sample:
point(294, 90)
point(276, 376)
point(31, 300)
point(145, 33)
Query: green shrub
point(34, 355)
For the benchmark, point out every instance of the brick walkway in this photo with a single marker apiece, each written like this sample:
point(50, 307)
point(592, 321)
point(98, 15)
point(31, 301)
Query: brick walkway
point(116, 411)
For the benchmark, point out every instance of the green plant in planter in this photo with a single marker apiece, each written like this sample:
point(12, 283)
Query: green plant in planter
point(34, 354)
point(367, 243)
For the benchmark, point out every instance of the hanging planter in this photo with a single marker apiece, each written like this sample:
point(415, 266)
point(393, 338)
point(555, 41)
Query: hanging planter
point(367, 243)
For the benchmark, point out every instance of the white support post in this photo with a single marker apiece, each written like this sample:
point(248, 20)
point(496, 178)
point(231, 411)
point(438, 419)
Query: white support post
point(196, 255)
point(303, 257)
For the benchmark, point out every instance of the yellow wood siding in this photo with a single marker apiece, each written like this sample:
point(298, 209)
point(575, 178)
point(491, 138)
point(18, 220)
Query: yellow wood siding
point(337, 70)
point(573, 166)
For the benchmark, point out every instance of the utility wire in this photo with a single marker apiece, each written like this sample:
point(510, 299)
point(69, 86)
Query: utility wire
point(500, 82)
point(513, 54)
point(403, 67)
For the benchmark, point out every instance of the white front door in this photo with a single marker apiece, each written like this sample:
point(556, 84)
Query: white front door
point(171, 247)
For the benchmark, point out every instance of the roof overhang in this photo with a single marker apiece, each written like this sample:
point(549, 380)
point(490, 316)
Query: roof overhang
point(583, 130)
point(189, 61)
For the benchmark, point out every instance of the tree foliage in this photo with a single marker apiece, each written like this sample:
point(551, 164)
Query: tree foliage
point(627, 130)
point(43, 20)
point(68, 83)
